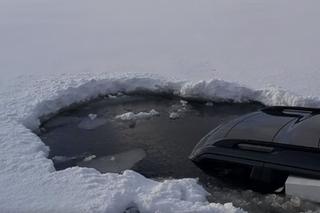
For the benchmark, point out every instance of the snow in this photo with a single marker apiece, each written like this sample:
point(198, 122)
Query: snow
point(257, 43)
point(129, 116)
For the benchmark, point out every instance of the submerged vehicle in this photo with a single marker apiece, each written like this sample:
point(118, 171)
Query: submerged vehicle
point(272, 140)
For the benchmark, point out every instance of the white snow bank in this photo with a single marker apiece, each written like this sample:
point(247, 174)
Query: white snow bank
point(219, 90)
point(29, 182)
point(129, 116)
point(65, 92)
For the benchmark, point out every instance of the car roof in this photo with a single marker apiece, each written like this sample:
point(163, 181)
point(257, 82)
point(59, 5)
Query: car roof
point(287, 125)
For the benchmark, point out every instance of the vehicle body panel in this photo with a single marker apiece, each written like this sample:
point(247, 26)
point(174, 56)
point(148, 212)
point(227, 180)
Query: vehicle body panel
point(280, 138)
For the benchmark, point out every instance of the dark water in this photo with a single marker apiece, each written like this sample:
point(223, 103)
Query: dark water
point(157, 147)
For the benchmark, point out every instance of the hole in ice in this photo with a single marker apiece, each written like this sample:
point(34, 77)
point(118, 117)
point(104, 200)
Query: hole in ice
point(128, 127)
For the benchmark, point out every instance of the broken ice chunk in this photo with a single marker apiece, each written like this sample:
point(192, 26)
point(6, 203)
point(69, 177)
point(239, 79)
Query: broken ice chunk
point(174, 115)
point(117, 162)
point(209, 104)
point(129, 116)
point(183, 102)
point(62, 159)
point(89, 158)
point(92, 116)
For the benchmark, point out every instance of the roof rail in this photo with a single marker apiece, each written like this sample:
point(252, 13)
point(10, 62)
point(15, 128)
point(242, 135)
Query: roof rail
point(291, 111)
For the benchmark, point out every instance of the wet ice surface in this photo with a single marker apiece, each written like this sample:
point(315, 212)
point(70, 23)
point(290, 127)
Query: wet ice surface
point(155, 146)
point(89, 123)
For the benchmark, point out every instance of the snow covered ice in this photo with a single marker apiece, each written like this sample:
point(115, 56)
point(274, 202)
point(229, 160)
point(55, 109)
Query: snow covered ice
point(56, 54)
point(76, 189)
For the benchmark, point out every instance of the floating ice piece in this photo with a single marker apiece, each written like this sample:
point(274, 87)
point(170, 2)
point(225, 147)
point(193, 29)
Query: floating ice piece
point(209, 104)
point(112, 96)
point(183, 102)
point(116, 163)
point(296, 201)
point(89, 158)
point(279, 189)
point(62, 159)
point(129, 116)
point(174, 115)
point(92, 116)
point(89, 123)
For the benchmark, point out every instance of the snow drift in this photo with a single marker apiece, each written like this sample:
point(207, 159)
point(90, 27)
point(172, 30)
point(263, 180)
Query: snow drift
point(29, 182)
